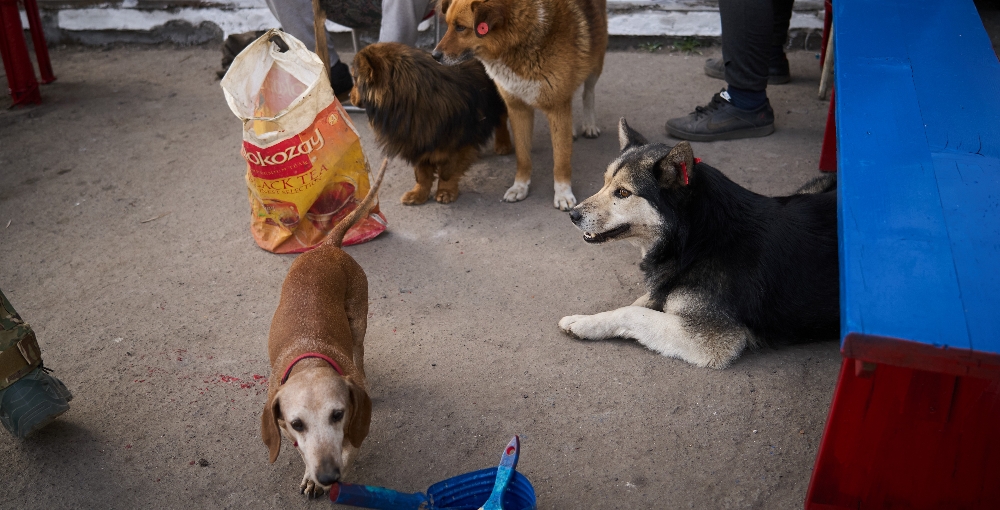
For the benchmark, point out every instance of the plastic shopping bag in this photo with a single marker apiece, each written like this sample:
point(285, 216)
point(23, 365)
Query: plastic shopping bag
point(305, 167)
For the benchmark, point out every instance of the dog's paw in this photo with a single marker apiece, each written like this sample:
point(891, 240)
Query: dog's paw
point(446, 196)
point(574, 325)
point(564, 199)
point(414, 197)
point(591, 131)
point(503, 148)
point(310, 488)
point(517, 192)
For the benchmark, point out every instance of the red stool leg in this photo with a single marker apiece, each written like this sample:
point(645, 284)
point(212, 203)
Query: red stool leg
point(38, 37)
point(827, 21)
point(20, 73)
point(828, 155)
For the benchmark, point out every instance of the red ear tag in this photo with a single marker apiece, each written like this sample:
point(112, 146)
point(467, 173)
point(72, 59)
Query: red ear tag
point(482, 28)
point(684, 172)
point(295, 444)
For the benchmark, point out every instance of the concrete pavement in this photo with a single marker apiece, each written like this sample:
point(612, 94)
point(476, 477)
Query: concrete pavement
point(159, 327)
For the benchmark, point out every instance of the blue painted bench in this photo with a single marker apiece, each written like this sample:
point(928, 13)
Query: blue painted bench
point(915, 421)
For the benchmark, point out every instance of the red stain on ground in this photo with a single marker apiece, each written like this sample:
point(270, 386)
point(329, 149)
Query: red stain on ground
point(255, 383)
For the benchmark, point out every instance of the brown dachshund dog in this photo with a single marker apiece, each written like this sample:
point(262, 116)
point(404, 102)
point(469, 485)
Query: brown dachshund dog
point(317, 396)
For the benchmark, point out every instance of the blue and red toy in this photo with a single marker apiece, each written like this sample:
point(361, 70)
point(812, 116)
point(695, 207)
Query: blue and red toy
point(499, 488)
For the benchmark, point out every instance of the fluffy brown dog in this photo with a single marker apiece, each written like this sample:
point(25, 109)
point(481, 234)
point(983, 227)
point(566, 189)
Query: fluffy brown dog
point(538, 52)
point(435, 117)
point(317, 396)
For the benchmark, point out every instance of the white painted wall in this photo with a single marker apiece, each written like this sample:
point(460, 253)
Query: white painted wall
point(676, 18)
point(688, 23)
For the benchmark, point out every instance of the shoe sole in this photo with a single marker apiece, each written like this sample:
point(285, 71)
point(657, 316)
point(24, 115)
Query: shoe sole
point(737, 134)
point(44, 423)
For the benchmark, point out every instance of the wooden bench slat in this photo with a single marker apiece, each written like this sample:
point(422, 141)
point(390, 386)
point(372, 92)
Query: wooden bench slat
point(957, 76)
point(970, 198)
point(918, 110)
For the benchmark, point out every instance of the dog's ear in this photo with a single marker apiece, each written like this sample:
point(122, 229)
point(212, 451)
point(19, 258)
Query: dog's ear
point(628, 137)
point(677, 166)
point(442, 7)
point(359, 415)
point(363, 68)
point(269, 427)
point(488, 16)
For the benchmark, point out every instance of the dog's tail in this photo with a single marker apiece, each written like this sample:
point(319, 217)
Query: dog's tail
point(336, 237)
point(821, 184)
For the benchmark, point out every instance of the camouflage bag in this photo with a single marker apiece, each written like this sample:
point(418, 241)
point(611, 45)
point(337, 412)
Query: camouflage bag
point(30, 398)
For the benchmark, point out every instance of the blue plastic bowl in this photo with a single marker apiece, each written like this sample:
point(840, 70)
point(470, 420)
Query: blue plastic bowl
point(463, 492)
point(471, 490)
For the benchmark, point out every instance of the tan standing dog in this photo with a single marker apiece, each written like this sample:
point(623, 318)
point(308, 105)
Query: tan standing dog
point(538, 52)
point(316, 395)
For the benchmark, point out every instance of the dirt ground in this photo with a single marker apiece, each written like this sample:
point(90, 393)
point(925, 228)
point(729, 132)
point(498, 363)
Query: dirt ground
point(160, 327)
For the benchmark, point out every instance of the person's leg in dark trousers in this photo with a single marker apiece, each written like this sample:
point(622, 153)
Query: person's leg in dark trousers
point(742, 110)
point(778, 63)
point(747, 34)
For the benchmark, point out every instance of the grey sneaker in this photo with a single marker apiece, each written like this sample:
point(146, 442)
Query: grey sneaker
point(777, 70)
point(715, 68)
point(720, 120)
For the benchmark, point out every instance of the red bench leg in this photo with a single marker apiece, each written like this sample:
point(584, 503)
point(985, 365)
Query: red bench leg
point(16, 62)
point(906, 438)
point(827, 25)
point(38, 37)
point(828, 156)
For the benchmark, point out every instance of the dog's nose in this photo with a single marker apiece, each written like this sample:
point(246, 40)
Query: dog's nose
point(438, 55)
point(575, 215)
point(329, 477)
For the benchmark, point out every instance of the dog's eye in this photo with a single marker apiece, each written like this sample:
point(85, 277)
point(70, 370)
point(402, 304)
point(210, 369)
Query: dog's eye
point(298, 425)
point(623, 193)
point(459, 28)
point(336, 416)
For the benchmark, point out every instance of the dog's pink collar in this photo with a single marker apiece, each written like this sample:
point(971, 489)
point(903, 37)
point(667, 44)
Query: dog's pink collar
point(311, 355)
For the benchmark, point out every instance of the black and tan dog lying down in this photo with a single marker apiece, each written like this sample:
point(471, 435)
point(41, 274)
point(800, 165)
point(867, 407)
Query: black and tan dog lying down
point(725, 268)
